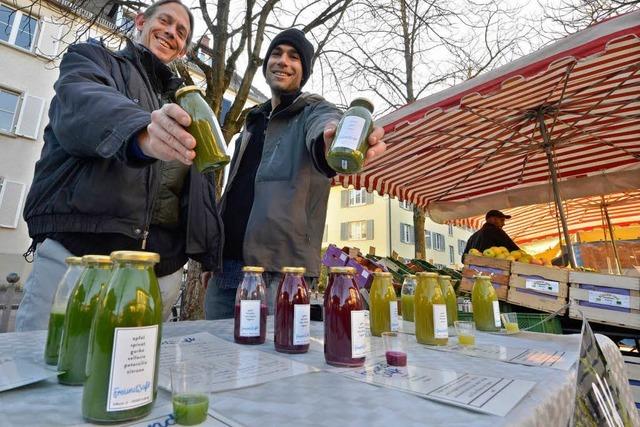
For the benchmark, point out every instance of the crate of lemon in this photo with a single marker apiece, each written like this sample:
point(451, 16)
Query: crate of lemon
point(494, 262)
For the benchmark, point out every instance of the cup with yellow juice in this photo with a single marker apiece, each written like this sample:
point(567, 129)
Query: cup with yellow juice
point(510, 322)
point(466, 332)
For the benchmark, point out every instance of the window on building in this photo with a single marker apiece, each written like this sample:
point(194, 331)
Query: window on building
point(452, 255)
point(11, 199)
point(427, 239)
point(406, 233)
point(357, 230)
point(408, 206)
point(8, 109)
point(357, 197)
point(438, 241)
point(450, 230)
point(461, 245)
point(17, 28)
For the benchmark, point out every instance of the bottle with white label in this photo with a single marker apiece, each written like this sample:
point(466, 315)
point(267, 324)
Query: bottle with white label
point(430, 311)
point(124, 346)
point(349, 147)
point(250, 313)
point(345, 320)
point(450, 297)
point(383, 304)
point(292, 312)
point(486, 311)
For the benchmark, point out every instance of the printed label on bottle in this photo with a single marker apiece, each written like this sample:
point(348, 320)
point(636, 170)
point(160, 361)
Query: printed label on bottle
point(133, 362)
point(250, 318)
point(496, 314)
point(393, 316)
point(350, 132)
point(301, 324)
point(359, 328)
point(440, 328)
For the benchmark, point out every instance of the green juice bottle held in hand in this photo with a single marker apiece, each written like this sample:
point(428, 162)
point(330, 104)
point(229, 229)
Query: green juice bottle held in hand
point(81, 308)
point(59, 308)
point(486, 310)
point(407, 297)
point(124, 350)
point(383, 304)
point(349, 147)
point(450, 298)
point(430, 311)
point(204, 127)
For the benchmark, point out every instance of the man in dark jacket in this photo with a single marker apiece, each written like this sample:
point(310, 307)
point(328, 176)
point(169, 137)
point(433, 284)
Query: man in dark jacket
point(491, 234)
point(115, 172)
point(275, 202)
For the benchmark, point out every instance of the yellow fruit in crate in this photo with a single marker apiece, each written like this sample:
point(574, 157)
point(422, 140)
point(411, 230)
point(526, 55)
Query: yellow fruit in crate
point(516, 254)
point(500, 255)
point(525, 259)
point(510, 258)
point(503, 250)
point(475, 252)
point(489, 253)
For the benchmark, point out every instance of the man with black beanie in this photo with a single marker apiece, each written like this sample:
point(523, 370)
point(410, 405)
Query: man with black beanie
point(275, 202)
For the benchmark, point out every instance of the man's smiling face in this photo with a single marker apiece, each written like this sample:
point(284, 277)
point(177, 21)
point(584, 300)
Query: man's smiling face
point(284, 69)
point(165, 33)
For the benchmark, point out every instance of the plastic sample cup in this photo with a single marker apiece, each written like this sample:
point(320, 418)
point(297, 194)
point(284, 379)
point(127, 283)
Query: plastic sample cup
point(189, 393)
point(510, 322)
point(395, 348)
point(466, 332)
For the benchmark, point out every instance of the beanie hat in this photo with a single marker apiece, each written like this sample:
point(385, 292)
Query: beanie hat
point(295, 38)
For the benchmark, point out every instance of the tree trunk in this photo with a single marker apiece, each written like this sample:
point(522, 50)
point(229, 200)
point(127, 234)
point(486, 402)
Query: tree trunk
point(418, 232)
point(192, 304)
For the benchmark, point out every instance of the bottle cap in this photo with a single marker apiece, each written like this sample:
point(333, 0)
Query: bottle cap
point(426, 274)
point(96, 259)
point(187, 89)
point(140, 256)
point(252, 269)
point(343, 270)
point(362, 102)
point(73, 260)
point(381, 274)
point(445, 277)
point(296, 270)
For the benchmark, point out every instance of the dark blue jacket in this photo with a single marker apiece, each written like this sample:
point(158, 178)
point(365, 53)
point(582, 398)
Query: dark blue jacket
point(87, 181)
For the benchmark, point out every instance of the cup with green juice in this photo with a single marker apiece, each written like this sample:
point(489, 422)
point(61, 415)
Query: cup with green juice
point(190, 392)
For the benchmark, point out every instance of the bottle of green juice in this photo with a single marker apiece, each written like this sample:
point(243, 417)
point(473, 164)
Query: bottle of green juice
point(349, 147)
point(383, 310)
point(450, 299)
point(407, 296)
point(486, 311)
point(430, 311)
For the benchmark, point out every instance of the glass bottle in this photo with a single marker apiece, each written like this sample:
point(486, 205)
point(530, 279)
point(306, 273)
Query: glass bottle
point(124, 348)
point(250, 314)
point(406, 295)
point(59, 307)
point(383, 304)
point(204, 127)
point(345, 320)
point(450, 298)
point(349, 147)
point(81, 308)
point(293, 312)
point(486, 309)
point(430, 311)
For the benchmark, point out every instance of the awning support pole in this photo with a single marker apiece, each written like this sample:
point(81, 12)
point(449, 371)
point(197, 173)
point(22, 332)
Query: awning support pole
point(613, 237)
point(556, 190)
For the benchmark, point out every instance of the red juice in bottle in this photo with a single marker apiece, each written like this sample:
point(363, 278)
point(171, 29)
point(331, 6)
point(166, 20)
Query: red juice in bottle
point(345, 325)
point(293, 312)
point(250, 313)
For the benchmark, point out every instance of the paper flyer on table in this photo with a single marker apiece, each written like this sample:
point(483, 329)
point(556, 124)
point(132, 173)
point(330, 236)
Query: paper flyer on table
point(555, 359)
point(232, 366)
point(491, 395)
point(17, 372)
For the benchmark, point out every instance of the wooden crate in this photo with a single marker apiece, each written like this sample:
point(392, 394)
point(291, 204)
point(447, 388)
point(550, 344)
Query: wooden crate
point(605, 298)
point(539, 287)
point(497, 269)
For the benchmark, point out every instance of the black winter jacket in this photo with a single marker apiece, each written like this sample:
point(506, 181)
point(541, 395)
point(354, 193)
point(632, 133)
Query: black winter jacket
point(85, 181)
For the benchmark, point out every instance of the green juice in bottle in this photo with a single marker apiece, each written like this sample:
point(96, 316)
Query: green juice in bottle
point(407, 297)
point(349, 147)
point(383, 305)
point(430, 311)
point(486, 310)
point(450, 298)
point(122, 364)
point(79, 315)
point(59, 307)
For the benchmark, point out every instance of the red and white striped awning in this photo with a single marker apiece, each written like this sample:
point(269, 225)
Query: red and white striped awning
point(478, 145)
point(539, 222)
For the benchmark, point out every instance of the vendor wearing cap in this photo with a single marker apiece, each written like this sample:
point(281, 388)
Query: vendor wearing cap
point(491, 234)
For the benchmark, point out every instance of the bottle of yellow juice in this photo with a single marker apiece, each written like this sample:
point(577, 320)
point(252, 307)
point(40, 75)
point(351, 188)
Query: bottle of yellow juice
point(430, 311)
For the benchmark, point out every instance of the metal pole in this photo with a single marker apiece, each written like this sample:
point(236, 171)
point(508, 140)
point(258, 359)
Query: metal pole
point(556, 190)
point(613, 238)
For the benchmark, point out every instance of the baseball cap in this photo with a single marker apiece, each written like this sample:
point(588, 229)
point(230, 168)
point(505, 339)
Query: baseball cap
point(496, 214)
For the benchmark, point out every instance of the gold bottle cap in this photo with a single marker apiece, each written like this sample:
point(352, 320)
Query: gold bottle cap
point(96, 259)
point(426, 274)
point(186, 89)
point(252, 269)
point(140, 256)
point(295, 270)
point(342, 270)
point(409, 276)
point(381, 274)
point(362, 102)
point(445, 277)
point(482, 276)
point(73, 260)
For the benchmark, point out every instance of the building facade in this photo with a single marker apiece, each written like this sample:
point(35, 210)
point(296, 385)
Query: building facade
point(361, 219)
